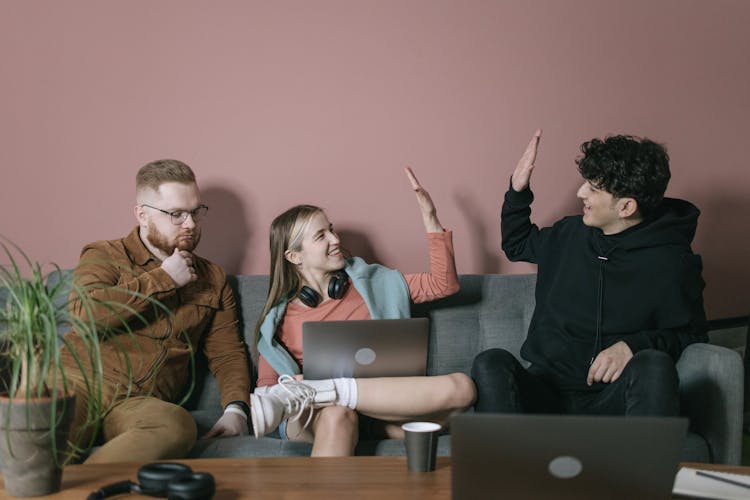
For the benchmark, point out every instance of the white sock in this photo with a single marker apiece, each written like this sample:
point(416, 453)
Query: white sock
point(346, 389)
point(325, 391)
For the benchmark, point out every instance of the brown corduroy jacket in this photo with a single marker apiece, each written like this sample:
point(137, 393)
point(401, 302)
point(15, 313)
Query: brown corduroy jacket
point(156, 346)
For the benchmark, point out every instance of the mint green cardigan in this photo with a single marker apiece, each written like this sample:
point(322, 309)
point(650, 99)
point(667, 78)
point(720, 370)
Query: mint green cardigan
point(386, 295)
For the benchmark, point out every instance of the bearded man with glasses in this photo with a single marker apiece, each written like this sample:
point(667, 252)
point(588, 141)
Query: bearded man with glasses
point(155, 262)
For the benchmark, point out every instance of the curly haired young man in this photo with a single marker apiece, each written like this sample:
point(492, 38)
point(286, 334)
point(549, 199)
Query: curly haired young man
point(618, 294)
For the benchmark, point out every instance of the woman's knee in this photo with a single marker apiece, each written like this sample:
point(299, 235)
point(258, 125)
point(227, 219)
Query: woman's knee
point(336, 420)
point(463, 392)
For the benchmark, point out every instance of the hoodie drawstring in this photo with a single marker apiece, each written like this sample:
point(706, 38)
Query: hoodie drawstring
point(599, 306)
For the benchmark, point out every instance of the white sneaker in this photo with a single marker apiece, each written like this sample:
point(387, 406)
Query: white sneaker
point(289, 399)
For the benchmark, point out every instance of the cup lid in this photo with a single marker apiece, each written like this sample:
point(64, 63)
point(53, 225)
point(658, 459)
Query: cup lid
point(421, 427)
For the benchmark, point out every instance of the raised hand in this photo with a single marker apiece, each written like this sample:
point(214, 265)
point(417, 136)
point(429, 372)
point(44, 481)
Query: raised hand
point(427, 207)
point(522, 173)
point(179, 266)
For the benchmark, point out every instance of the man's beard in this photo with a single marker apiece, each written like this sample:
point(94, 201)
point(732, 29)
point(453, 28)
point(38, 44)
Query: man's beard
point(158, 240)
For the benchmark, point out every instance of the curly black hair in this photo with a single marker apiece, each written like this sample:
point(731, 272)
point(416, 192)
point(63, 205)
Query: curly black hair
point(627, 167)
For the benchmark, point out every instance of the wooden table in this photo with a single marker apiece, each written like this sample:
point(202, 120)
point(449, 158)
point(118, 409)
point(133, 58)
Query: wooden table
point(295, 477)
point(287, 478)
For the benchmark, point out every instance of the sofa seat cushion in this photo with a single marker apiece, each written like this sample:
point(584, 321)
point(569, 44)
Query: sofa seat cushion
point(248, 446)
point(695, 449)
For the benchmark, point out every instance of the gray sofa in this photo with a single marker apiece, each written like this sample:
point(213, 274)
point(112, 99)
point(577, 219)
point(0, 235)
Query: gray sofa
point(494, 311)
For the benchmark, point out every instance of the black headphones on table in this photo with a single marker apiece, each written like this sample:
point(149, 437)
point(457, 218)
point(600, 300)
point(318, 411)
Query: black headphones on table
point(337, 287)
point(163, 479)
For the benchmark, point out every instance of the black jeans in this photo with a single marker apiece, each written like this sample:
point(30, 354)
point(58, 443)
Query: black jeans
point(648, 386)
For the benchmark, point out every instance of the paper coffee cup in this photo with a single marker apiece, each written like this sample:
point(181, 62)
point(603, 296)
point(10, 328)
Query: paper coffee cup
point(421, 440)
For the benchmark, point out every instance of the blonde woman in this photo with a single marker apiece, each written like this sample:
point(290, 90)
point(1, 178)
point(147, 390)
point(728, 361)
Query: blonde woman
point(312, 280)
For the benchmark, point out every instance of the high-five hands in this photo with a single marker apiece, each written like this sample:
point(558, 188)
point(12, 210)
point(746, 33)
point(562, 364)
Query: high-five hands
point(522, 173)
point(429, 213)
point(179, 266)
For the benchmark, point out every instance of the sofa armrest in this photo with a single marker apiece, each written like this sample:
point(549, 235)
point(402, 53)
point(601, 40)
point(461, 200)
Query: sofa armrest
point(711, 396)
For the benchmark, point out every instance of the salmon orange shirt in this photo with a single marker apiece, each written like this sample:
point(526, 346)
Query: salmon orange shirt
point(441, 281)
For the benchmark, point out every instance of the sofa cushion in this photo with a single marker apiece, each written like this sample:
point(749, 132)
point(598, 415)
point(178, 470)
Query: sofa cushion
point(487, 312)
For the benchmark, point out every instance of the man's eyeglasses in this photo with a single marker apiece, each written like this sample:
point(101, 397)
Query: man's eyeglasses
point(180, 216)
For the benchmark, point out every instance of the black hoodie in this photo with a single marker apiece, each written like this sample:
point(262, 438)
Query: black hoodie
point(642, 286)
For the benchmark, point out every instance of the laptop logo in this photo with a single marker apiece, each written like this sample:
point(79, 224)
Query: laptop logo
point(365, 356)
point(565, 467)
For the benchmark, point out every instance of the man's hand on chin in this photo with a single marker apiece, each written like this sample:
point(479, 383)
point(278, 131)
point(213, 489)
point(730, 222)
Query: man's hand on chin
point(179, 266)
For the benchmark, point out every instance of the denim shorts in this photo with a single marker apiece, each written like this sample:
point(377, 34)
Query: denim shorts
point(280, 431)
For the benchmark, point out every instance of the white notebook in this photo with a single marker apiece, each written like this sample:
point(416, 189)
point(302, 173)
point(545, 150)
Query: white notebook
point(689, 483)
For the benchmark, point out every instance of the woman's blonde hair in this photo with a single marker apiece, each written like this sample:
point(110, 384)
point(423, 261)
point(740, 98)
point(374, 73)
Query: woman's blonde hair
point(286, 233)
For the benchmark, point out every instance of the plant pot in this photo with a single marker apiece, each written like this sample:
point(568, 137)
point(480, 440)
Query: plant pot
point(30, 465)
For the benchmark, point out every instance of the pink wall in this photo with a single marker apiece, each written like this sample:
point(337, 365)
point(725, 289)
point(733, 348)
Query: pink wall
point(277, 103)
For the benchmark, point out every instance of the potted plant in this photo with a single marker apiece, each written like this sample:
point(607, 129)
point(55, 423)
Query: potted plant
point(37, 401)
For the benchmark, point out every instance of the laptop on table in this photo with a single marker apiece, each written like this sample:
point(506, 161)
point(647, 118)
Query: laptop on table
point(365, 348)
point(565, 456)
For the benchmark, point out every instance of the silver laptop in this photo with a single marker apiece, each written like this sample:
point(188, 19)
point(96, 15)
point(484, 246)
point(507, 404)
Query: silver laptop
point(365, 348)
point(564, 456)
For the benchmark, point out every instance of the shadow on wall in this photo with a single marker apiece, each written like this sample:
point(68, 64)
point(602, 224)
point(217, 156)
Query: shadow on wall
point(723, 241)
point(226, 232)
point(486, 240)
point(358, 245)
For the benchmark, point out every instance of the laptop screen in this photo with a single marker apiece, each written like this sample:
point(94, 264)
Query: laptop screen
point(365, 348)
point(565, 456)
